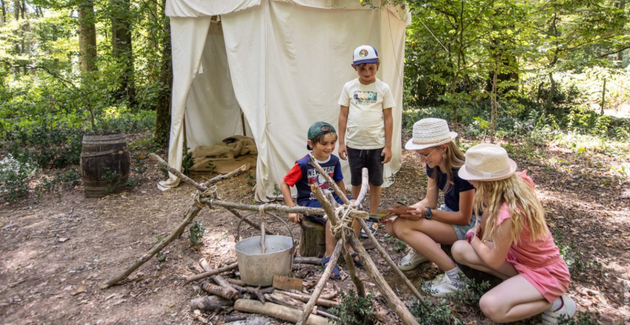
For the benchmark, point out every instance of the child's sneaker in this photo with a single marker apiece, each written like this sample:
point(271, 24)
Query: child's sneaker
point(566, 310)
point(446, 287)
point(411, 260)
point(372, 224)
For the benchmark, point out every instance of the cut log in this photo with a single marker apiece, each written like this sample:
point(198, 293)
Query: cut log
point(218, 279)
point(219, 290)
point(210, 303)
point(312, 239)
point(284, 300)
point(276, 311)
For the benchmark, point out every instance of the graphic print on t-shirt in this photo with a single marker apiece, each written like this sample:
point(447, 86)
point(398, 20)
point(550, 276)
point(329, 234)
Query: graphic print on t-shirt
point(314, 177)
point(365, 97)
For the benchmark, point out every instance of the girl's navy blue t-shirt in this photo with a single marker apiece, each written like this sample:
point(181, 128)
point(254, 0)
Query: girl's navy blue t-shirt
point(451, 199)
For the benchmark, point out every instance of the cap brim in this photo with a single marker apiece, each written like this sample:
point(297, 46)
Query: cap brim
point(414, 146)
point(365, 61)
point(464, 174)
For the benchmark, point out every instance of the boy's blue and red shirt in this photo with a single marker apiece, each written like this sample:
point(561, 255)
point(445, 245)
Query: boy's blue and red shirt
point(302, 175)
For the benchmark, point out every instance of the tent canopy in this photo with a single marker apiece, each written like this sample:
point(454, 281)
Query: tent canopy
point(282, 64)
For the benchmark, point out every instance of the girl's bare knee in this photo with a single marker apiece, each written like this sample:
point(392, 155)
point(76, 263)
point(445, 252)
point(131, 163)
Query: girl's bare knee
point(389, 229)
point(459, 250)
point(491, 306)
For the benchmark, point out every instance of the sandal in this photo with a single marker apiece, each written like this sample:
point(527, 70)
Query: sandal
point(335, 269)
point(356, 259)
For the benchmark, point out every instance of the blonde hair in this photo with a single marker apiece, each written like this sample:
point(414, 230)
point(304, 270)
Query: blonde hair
point(453, 159)
point(524, 207)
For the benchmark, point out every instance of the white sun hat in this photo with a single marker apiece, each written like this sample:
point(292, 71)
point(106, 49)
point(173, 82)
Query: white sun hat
point(487, 162)
point(364, 54)
point(430, 132)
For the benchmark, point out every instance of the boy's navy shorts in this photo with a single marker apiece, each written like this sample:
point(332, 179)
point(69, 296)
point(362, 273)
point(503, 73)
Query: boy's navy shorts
point(370, 159)
point(315, 204)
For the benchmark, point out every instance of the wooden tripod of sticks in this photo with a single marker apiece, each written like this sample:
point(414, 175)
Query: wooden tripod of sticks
point(207, 197)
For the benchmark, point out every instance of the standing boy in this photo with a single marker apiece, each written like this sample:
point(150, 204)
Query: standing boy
point(321, 140)
point(366, 124)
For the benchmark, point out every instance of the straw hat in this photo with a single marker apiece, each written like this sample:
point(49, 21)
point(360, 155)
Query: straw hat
point(430, 132)
point(487, 162)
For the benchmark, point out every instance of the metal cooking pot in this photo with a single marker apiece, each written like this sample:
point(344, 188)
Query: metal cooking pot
point(258, 269)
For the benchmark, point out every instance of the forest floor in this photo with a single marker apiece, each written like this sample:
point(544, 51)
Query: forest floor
point(57, 251)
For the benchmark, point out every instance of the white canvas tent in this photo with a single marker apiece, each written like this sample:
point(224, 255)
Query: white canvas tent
point(282, 64)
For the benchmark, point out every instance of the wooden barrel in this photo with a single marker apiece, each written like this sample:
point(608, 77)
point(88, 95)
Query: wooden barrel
point(105, 164)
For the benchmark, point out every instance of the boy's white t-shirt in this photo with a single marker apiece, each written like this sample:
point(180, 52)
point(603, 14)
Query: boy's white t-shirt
point(366, 127)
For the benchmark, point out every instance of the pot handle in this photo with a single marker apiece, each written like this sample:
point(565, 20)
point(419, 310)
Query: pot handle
point(238, 228)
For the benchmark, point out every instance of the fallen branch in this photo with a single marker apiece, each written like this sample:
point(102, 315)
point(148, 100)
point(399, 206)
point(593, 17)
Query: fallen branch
point(276, 311)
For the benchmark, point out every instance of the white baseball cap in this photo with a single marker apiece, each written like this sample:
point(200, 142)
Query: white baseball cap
point(364, 54)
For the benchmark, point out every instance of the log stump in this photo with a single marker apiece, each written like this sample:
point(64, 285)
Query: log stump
point(312, 239)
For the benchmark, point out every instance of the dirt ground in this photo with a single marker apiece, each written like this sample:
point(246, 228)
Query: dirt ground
point(56, 253)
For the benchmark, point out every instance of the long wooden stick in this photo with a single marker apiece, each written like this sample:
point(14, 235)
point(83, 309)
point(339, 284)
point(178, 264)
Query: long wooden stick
point(211, 273)
point(190, 215)
point(329, 180)
point(391, 263)
point(263, 245)
point(274, 207)
point(304, 298)
point(201, 187)
point(390, 296)
point(177, 173)
point(306, 312)
point(334, 222)
point(247, 221)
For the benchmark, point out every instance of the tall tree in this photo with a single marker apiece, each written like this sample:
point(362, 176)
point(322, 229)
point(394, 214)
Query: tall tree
point(163, 106)
point(87, 36)
point(3, 19)
point(122, 48)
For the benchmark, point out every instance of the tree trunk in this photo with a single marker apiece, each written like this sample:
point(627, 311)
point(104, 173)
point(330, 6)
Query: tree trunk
point(87, 36)
point(621, 4)
point(163, 106)
point(16, 9)
point(3, 19)
point(122, 49)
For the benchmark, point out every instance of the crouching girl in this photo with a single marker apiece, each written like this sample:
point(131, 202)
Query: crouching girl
point(512, 242)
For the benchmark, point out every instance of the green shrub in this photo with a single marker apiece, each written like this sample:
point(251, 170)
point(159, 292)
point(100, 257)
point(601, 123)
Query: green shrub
point(434, 314)
point(355, 310)
point(14, 178)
